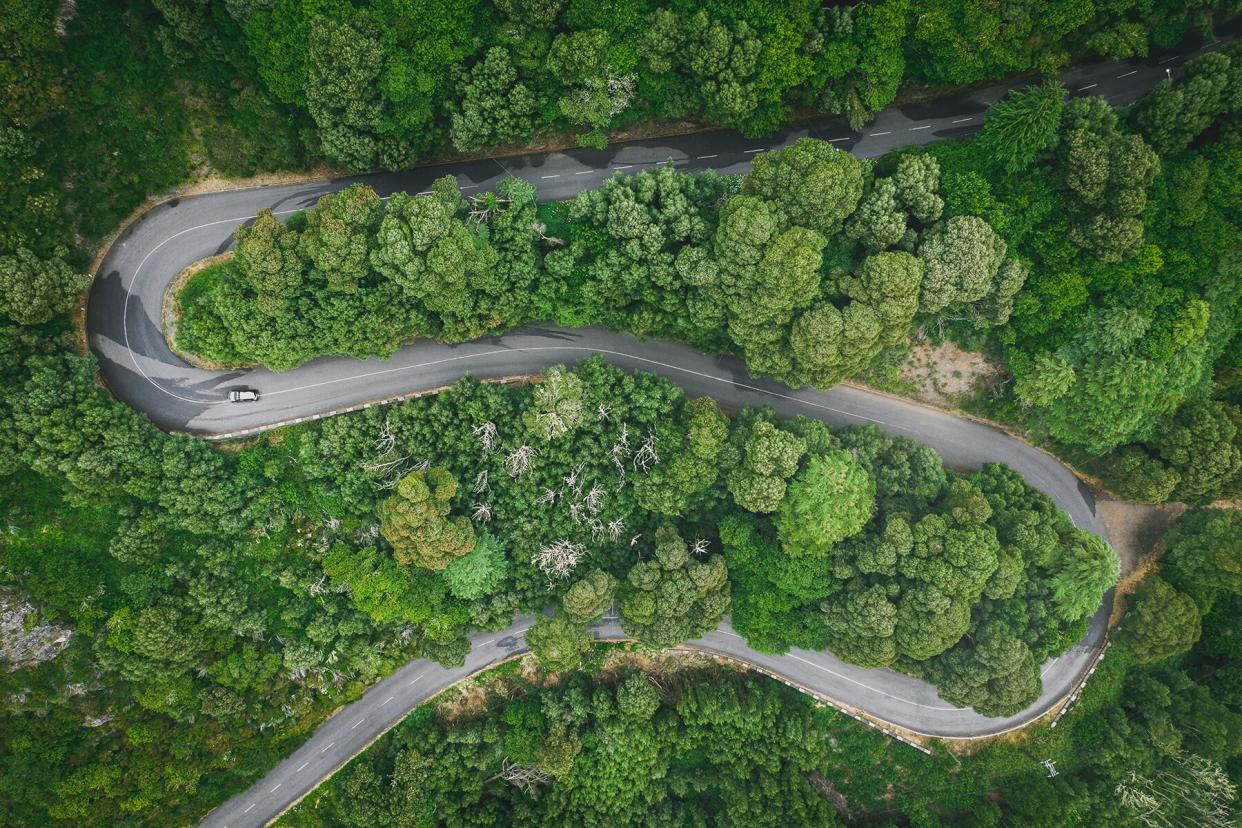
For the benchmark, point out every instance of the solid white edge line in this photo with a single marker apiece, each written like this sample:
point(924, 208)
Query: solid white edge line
point(964, 120)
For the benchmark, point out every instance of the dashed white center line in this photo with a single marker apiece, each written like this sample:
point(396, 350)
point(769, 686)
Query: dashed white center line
point(304, 764)
point(425, 192)
point(916, 129)
point(877, 134)
point(278, 784)
point(415, 681)
point(386, 701)
point(1128, 74)
point(834, 140)
point(584, 172)
point(1088, 86)
point(468, 187)
point(485, 643)
point(623, 166)
point(754, 150)
point(360, 721)
point(558, 175)
point(964, 120)
point(1174, 57)
point(325, 750)
point(251, 808)
point(701, 157)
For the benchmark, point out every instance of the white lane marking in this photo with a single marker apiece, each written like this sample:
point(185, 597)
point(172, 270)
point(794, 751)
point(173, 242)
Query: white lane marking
point(278, 784)
point(485, 643)
point(1174, 57)
point(584, 172)
point(834, 140)
point(303, 766)
point(964, 120)
point(623, 166)
point(605, 352)
point(251, 808)
point(701, 157)
point(876, 134)
point(360, 721)
point(916, 129)
point(1128, 74)
point(761, 149)
point(558, 175)
point(1210, 45)
point(325, 750)
point(1049, 667)
point(468, 187)
point(869, 687)
point(415, 681)
point(425, 192)
point(386, 701)
point(1088, 86)
point(847, 678)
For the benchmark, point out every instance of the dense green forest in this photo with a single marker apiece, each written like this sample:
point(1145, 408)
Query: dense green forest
point(1153, 741)
point(1104, 273)
point(223, 601)
point(209, 606)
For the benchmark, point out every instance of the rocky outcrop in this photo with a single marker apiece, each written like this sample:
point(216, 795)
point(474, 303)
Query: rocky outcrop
point(23, 643)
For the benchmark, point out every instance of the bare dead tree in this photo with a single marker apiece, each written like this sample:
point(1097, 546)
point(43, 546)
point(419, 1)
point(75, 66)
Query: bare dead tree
point(646, 456)
point(482, 513)
point(634, 540)
point(518, 461)
point(548, 496)
point(573, 481)
point(559, 558)
point(615, 528)
point(541, 230)
point(552, 424)
point(385, 441)
point(484, 206)
point(1190, 790)
point(488, 436)
point(604, 412)
point(526, 778)
point(480, 482)
point(594, 499)
point(699, 548)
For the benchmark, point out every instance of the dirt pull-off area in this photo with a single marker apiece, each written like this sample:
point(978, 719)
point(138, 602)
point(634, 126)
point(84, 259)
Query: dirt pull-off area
point(1136, 532)
point(945, 374)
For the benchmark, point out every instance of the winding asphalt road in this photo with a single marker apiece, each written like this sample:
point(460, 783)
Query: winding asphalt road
point(125, 331)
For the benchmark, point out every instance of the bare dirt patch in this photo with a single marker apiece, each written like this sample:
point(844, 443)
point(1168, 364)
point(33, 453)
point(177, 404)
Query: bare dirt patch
point(1135, 529)
point(945, 374)
point(1136, 532)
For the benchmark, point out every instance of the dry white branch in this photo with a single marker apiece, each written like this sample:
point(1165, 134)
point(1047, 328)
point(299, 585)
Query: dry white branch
point(488, 436)
point(594, 499)
point(559, 558)
point(518, 462)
